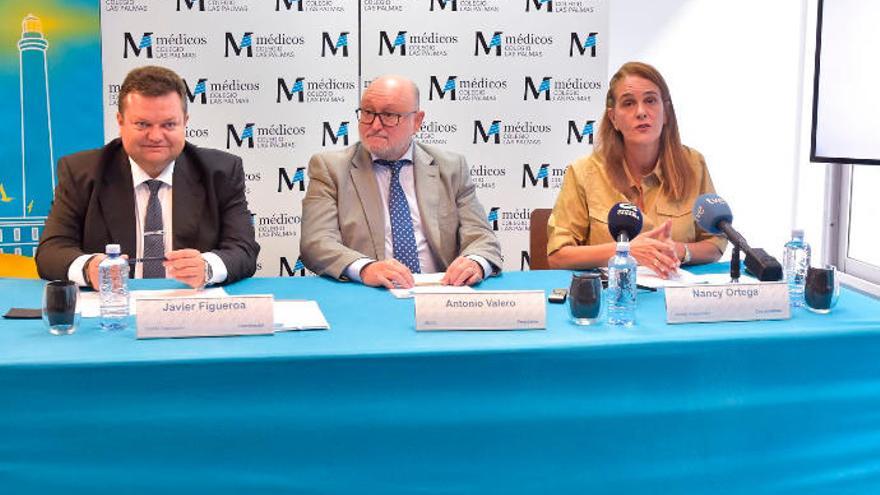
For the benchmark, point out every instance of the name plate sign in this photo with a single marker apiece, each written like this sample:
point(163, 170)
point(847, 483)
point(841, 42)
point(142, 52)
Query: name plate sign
point(481, 310)
point(204, 316)
point(729, 302)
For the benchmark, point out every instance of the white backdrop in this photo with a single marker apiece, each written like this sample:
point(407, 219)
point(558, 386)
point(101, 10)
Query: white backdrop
point(515, 85)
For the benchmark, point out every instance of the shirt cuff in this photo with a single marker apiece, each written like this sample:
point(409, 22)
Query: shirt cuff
point(218, 268)
point(353, 271)
point(484, 264)
point(75, 270)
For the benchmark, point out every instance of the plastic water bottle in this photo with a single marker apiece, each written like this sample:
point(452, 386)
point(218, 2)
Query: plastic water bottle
point(113, 282)
point(622, 287)
point(796, 261)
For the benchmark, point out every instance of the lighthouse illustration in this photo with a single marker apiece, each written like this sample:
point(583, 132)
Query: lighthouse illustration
point(26, 194)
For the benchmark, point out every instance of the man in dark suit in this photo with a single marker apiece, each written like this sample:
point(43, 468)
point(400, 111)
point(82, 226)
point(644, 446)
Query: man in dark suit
point(388, 207)
point(179, 211)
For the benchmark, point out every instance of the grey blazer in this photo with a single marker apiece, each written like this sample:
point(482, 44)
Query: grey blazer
point(343, 217)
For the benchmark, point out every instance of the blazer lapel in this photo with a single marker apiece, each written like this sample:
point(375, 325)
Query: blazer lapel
point(427, 196)
point(364, 181)
point(117, 202)
point(187, 198)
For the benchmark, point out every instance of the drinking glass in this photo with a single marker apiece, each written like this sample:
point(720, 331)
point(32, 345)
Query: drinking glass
point(585, 298)
point(59, 307)
point(822, 289)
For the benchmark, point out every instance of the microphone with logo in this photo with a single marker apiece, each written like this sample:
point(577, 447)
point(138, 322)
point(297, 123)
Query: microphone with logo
point(624, 222)
point(713, 215)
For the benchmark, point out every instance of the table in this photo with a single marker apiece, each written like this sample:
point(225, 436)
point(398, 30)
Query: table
point(372, 406)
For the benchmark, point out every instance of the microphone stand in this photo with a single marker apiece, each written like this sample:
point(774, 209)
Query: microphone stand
point(734, 265)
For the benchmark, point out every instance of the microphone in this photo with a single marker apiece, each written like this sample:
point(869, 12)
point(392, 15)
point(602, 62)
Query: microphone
point(624, 221)
point(713, 215)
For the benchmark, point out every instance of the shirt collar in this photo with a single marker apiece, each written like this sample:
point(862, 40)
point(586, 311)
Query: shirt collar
point(138, 176)
point(408, 155)
point(653, 179)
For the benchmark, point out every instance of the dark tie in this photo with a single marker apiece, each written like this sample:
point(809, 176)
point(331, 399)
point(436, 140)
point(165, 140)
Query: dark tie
point(154, 235)
point(402, 235)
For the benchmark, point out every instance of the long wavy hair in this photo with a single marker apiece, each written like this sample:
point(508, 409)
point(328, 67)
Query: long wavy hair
point(674, 168)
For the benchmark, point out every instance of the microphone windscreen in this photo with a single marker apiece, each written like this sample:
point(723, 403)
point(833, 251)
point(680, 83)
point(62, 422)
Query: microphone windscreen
point(709, 210)
point(624, 218)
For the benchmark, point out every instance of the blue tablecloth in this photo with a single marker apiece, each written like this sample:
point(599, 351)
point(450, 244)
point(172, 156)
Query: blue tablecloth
point(372, 406)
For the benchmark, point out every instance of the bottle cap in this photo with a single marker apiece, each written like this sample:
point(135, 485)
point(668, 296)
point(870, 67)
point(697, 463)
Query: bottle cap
point(112, 249)
point(623, 246)
point(797, 232)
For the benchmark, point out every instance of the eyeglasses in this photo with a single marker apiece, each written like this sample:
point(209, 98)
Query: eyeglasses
point(387, 119)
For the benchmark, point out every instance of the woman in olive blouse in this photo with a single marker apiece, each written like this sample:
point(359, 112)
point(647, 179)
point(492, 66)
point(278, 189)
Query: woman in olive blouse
point(638, 158)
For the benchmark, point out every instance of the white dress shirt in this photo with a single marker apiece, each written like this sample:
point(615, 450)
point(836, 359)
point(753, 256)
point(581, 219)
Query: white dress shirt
point(408, 183)
point(141, 198)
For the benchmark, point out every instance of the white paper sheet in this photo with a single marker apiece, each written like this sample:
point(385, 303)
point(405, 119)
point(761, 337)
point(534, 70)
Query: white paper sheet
point(299, 315)
point(429, 289)
point(428, 283)
point(90, 302)
point(421, 279)
point(645, 276)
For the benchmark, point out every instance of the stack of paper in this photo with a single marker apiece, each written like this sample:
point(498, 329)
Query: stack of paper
point(299, 315)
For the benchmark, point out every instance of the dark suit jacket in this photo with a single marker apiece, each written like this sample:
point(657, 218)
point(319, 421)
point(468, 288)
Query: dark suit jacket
point(94, 206)
point(343, 217)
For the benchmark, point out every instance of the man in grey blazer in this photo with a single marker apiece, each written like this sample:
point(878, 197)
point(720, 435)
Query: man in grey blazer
point(178, 208)
point(388, 207)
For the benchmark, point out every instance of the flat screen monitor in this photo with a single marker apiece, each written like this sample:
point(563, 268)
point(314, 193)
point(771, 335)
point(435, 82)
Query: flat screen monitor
point(846, 88)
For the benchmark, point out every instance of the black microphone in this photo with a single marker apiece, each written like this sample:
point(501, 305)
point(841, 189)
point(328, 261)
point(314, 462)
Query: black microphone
point(624, 221)
point(713, 215)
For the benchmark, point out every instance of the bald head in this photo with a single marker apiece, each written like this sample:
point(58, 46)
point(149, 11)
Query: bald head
point(395, 87)
point(395, 99)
